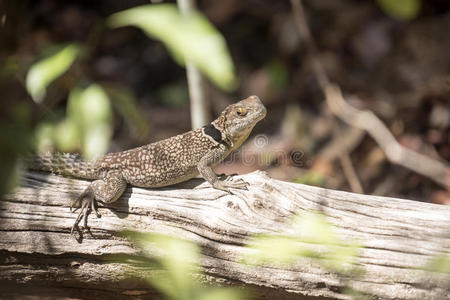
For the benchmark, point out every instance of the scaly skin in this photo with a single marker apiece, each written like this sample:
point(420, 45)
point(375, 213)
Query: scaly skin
point(163, 163)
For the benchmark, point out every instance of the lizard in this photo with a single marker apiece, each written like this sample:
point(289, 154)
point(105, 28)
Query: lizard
point(163, 163)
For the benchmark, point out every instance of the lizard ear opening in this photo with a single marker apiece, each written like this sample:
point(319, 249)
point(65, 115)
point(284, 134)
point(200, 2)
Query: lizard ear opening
point(241, 111)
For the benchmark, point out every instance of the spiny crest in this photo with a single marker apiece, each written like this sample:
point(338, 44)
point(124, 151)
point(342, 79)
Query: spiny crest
point(220, 122)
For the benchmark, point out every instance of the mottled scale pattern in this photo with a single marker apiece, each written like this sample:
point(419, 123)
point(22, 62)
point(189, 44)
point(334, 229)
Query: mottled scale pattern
point(67, 164)
point(163, 163)
point(110, 187)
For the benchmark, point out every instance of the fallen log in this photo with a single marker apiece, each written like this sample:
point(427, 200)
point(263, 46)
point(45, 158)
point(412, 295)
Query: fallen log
point(39, 256)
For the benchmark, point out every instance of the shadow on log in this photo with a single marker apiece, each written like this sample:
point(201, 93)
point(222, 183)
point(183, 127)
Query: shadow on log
point(40, 257)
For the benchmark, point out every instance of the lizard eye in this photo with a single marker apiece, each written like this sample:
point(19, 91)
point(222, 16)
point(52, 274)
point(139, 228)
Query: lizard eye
point(241, 111)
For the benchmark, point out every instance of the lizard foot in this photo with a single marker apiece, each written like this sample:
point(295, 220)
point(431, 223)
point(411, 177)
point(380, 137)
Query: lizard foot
point(226, 177)
point(228, 184)
point(87, 203)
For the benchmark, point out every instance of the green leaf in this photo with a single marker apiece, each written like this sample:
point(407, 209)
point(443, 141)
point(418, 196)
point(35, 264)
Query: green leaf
point(279, 75)
point(279, 249)
point(220, 294)
point(311, 178)
point(189, 38)
point(15, 141)
point(314, 238)
point(314, 228)
point(91, 111)
point(179, 264)
point(45, 71)
point(67, 135)
point(44, 136)
point(175, 95)
point(440, 263)
point(342, 258)
point(400, 9)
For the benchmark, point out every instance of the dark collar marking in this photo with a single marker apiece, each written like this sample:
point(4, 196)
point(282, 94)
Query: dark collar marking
point(213, 132)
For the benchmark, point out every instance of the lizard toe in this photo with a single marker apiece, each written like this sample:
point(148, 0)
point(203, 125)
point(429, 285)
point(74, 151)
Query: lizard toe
point(87, 204)
point(228, 184)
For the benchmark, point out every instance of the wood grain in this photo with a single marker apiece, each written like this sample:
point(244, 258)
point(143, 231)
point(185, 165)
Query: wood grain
point(39, 256)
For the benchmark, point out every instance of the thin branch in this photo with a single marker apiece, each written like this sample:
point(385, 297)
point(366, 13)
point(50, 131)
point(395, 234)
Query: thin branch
point(350, 173)
point(199, 104)
point(344, 141)
point(365, 119)
point(396, 153)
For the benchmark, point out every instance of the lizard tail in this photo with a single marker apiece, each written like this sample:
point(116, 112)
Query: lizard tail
point(66, 164)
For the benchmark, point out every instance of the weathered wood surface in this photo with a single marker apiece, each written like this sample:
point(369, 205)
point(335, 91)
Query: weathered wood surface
point(39, 256)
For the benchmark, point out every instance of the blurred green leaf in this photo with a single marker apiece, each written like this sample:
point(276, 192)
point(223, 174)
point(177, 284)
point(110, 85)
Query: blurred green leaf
point(87, 126)
point(439, 263)
point(44, 136)
point(15, 141)
point(10, 65)
point(278, 73)
point(400, 9)
point(45, 71)
point(178, 260)
point(342, 258)
point(220, 294)
point(314, 228)
point(175, 95)
point(179, 264)
point(314, 238)
point(189, 38)
point(281, 249)
point(90, 111)
point(67, 135)
point(311, 178)
point(125, 103)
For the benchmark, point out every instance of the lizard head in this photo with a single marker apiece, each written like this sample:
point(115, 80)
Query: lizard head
point(237, 120)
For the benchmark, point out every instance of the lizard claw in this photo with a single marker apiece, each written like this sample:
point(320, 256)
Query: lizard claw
point(87, 203)
point(228, 184)
point(226, 177)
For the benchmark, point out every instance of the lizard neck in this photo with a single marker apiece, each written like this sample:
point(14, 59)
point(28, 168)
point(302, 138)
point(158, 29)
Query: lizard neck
point(238, 140)
point(218, 135)
point(218, 131)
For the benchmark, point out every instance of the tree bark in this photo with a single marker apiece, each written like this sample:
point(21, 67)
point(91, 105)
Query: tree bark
point(39, 256)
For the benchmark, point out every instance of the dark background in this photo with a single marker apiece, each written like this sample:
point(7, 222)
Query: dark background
point(398, 69)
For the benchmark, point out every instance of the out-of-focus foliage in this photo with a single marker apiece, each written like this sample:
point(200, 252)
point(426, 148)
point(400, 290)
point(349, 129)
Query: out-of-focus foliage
point(175, 95)
point(179, 261)
point(401, 9)
point(311, 178)
point(189, 38)
point(125, 103)
point(87, 126)
point(45, 71)
point(15, 140)
point(314, 238)
point(279, 76)
point(90, 110)
point(439, 264)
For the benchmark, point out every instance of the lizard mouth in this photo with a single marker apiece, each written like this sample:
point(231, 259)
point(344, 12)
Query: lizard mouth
point(261, 109)
point(262, 113)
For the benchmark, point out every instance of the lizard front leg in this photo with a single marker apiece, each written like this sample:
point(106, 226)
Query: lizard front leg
point(106, 190)
point(204, 167)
